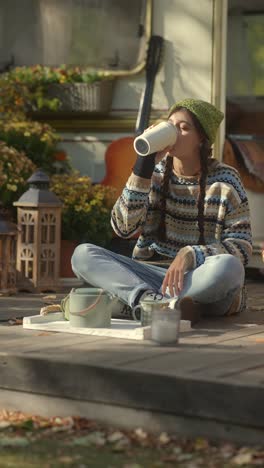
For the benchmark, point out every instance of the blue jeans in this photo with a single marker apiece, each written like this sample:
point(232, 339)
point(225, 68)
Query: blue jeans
point(215, 282)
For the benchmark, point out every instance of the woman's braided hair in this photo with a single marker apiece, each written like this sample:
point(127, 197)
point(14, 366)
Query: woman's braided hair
point(205, 153)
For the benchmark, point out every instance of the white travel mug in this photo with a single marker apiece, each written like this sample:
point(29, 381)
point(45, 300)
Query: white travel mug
point(156, 139)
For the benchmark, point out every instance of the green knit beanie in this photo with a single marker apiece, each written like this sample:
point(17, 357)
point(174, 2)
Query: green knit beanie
point(207, 114)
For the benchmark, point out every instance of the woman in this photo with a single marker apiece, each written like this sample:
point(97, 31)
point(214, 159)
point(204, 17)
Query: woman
point(189, 209)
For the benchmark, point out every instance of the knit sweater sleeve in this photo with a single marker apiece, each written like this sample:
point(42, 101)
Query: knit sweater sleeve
point(235, 239)
point(129, 212)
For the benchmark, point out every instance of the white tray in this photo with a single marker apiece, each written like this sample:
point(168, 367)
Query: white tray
point(126, 329)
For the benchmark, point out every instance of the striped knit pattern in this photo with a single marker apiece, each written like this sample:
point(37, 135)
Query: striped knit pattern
point(226, 215)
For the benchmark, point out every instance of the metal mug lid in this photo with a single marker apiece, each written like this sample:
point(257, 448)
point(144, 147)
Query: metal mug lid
point(155, 298)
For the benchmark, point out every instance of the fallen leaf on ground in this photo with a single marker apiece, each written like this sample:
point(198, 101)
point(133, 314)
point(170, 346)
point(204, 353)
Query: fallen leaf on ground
point(15, 321)
point(4, 424)
point(140, 433)
point(242, 459)
point(164, 438)
point(4, 414)
point(201, 444)
point(48, 309)
point(49, 299)
point(68, 421)
point(62, 424)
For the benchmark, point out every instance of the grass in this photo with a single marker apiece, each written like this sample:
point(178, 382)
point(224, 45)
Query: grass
point(36, 442)
point(53, 454)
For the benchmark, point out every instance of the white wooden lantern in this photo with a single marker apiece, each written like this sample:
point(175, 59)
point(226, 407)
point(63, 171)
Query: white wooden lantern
point(39, 236)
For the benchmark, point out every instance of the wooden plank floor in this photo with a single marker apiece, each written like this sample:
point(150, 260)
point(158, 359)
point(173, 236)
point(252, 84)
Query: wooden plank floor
point(215, 375)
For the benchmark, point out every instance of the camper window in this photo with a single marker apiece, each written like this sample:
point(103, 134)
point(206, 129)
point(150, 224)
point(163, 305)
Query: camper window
point(104, 34)
point(245, 54)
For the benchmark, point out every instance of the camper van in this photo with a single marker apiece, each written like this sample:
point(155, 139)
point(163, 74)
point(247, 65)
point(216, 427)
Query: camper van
point(156, 52)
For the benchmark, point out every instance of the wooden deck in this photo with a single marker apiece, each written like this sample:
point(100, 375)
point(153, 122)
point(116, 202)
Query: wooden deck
point(212, 384)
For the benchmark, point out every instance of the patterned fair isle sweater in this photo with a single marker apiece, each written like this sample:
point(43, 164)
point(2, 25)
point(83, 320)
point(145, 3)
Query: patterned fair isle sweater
point(226, 215)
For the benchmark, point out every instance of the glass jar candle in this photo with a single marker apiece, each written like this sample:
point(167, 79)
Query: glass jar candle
point(165, 325)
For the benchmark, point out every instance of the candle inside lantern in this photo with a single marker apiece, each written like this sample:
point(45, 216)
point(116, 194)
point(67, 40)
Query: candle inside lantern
point(165, 326)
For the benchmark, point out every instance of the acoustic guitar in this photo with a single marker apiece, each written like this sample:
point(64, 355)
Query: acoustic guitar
point(120, 156)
